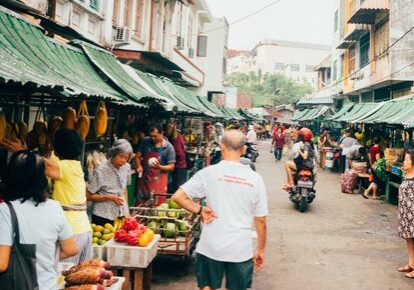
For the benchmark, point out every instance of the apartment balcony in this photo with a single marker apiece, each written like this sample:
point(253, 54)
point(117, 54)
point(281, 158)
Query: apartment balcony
point(365, 11)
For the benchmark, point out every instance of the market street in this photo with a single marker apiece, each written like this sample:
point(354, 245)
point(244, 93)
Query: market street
point(342, 241)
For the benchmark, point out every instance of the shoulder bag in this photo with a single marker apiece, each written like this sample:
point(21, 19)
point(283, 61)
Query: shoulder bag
point(21, 273)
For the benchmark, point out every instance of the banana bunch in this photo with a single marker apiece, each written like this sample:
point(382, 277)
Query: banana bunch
point(119, 222)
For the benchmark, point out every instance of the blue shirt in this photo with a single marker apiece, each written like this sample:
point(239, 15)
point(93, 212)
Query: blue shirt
point(166, 150)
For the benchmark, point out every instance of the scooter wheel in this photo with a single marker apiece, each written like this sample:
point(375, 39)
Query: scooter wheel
point(303, 204)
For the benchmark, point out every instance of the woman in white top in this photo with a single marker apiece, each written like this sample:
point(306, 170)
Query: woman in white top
point(41, 220)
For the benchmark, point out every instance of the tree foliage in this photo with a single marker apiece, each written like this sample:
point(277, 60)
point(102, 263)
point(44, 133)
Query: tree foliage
point(263, 87)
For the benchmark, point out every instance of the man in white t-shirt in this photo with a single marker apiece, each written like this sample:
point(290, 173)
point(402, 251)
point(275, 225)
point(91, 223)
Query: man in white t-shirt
point(234, 195)
point(251, 135)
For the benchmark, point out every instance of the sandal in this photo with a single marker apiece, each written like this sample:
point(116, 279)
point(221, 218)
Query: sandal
point(409, 275)
point(364, 195)
point(405, 269)
point(376, 197)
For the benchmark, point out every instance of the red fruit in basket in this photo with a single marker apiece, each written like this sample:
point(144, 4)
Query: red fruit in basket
point(130, 224)
point(121, 235)
point(133, 240)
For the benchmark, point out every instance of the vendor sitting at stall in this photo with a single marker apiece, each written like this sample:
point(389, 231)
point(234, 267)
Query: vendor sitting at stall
point(154, 158)
point(107, 188)
point(356, 153)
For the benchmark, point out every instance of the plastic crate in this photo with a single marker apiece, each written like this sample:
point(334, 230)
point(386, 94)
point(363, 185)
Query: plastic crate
point(123, 255)
point(99, 252)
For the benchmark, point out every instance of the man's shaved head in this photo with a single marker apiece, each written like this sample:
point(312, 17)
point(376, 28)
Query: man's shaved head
point(233, 140)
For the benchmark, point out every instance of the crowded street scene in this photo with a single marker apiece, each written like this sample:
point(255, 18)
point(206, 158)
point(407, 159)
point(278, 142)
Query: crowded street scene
point(206, 144)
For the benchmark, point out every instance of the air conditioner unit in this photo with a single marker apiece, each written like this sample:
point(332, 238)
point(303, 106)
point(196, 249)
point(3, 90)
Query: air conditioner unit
point(191, 52)
point(180, 42)
point(122, 34)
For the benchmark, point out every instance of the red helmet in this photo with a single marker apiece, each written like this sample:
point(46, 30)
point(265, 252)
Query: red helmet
point(306, 134)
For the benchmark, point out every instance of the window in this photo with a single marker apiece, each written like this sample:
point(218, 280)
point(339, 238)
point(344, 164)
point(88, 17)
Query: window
point(279, 66)
point(336, 21)
point(367, 97)
point(94, 4)
point(128, 13)
point(351, 63)
point(334, 70)
point(381, 38)
point(353, 99)
point(139, 18)
point(364, 51)
point(190, 32)
point(309, 68)
point(115, 14)
point(294, 67)
point(202, 46)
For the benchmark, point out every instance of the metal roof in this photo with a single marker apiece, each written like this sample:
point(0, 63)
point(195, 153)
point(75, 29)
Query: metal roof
point(27, 56)
point(345, 108)
point(316, 101)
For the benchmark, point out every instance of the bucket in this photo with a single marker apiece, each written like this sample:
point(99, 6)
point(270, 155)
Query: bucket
point(329, 155)
point(329, 164)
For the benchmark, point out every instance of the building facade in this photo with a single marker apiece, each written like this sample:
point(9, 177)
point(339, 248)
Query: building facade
point(293, 59)
point(178, 39)
point(374, 47)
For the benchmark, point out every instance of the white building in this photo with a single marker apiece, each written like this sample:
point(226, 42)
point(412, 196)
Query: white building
point(167, 38)
point(215, 64)
point(178, 39)
point(293, 59)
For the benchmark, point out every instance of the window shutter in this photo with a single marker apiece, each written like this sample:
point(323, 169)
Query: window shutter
point(128, 13)
point(139, 18)
point(202, 46)
point(115, 15)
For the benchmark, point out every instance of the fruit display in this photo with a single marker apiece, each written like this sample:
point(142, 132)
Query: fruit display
point(83, 121)
point(90, 274)
point(102, 234)
point(179, 229)
point(134, 233)
point(69, 118)
point(100, 122)
point(393, 156)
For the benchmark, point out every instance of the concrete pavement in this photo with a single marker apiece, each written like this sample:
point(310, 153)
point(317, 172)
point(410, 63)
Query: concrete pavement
point(343, 241)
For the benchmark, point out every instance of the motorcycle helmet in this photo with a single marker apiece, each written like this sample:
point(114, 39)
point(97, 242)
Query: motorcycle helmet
point(306, 134)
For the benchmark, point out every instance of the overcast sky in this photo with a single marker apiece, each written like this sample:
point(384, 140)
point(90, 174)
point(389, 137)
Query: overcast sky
point(295, 20)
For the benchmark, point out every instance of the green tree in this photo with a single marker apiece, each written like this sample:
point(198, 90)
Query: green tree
point(263, 86)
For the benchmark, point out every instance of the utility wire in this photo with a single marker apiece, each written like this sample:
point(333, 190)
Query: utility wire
point(374, 59)
point(242, 18)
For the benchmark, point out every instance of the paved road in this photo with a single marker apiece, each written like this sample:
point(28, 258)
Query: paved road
point(342, 242)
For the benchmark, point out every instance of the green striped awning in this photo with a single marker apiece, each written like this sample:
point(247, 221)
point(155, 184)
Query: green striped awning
point(316, 101)
point(345, 108)
point(112, 69)
point(28, 57)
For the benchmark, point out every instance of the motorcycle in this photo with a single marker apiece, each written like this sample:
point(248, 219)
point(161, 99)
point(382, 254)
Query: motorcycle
point(303, 192)
point(251, 153)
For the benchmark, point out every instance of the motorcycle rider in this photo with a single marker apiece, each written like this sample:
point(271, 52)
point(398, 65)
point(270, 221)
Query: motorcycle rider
point(251, 135)
point(303, 159)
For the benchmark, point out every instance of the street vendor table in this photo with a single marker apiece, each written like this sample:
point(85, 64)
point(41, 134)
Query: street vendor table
point(134, 263)
point(134, 278)
point(393, 182)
